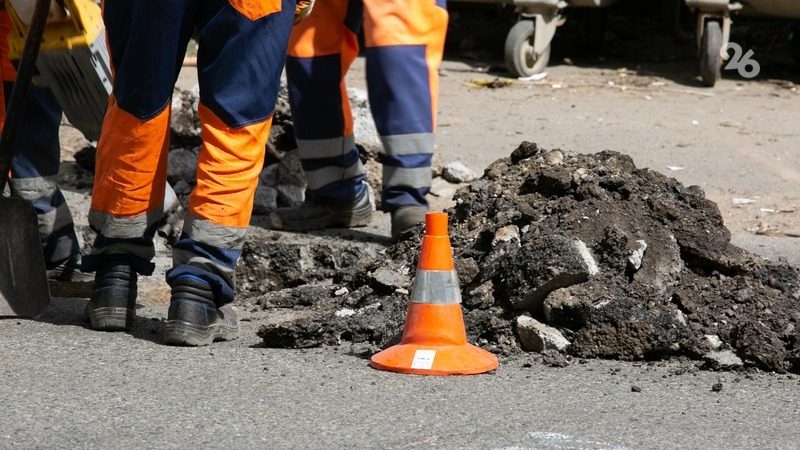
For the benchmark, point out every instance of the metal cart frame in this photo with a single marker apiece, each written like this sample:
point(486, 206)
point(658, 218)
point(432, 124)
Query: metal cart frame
point(528, 42)
point(714, 29)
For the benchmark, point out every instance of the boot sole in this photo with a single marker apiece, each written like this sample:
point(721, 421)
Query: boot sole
point(110, 318)
point(180, 332)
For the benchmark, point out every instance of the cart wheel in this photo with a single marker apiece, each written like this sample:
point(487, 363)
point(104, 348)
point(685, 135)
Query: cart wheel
point(520, 59)
point(710, 58)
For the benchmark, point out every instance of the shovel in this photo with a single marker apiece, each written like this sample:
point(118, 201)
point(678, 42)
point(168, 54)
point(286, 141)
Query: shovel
point(23, 277)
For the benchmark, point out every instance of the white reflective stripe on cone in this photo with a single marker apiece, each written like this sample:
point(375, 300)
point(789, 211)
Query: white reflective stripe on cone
point(436, 286)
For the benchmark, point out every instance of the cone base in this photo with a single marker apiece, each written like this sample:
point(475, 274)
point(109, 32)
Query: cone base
point(448, 360)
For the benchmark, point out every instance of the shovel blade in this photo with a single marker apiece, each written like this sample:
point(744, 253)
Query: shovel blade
point(23, 277)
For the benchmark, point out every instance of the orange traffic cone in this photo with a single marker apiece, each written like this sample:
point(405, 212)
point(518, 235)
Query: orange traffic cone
point(434, 341)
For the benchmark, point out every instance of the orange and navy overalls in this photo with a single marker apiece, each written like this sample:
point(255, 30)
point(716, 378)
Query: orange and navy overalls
point(404, 45)
point(36, 157)
point(242, 46)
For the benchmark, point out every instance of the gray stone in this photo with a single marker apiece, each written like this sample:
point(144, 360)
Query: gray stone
point(457, 172)
point(290, 195)
point(442, 188)
point(554, 157)
point(345, 312)
point(567, 306)
point(713, 341)
point(269, 176)
point(182, 188)
point(661, 267)
point(184, 121)
point(389, 279)
point(588, 259)
point(636, 256)
point(537, 337)
point(680, 317)
point(723, 360)
point(290, 170)
point(266, 199)
point(287, 179)
point(481, 297)
point(182, 166)
point(363, 124)
point(341, 291)
point(508, 233)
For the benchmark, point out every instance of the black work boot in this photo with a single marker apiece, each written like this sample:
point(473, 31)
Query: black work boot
point(112, 306)
point(194, 319)
point(406, 217)
point(320, 214)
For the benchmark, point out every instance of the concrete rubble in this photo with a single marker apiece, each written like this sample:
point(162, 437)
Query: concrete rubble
point(537, 337)
point(621, 262)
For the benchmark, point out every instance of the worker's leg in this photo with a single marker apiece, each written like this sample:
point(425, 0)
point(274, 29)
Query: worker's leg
point(34, 169)
point(239, 64)
point(147, 41)
point(404, 45)
point(321, 50)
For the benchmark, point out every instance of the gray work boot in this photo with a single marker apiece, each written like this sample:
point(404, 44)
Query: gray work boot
point(317, 215)
point(112, 306)
point(194, 319)
point(67, 280)
point(405, 218)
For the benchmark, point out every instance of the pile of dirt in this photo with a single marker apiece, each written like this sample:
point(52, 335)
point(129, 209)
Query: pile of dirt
point(583, 254)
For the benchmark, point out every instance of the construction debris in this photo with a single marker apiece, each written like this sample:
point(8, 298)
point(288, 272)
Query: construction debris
point(625, 263)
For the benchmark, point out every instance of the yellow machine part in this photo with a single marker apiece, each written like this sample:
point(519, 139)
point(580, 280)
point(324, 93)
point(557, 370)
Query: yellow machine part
point(80, 27)
point(73, 60)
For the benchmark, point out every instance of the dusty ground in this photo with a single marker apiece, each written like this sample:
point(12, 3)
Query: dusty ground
point(734, 141)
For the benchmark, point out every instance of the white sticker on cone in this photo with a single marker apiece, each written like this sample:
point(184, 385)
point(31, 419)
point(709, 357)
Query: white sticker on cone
point(423, 359)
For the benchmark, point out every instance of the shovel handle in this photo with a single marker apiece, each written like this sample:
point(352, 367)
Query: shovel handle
point(22, 84)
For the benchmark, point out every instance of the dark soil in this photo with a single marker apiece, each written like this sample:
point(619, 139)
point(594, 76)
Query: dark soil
point(655, 277)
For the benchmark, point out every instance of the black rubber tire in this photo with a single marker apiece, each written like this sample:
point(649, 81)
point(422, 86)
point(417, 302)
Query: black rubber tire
point(520, 60)
point(710, 58)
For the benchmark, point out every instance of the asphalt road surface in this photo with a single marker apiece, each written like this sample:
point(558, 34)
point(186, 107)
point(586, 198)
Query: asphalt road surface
point(65, 386)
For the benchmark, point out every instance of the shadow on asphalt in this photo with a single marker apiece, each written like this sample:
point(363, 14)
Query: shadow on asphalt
point(348, 234)
point(70, 312)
